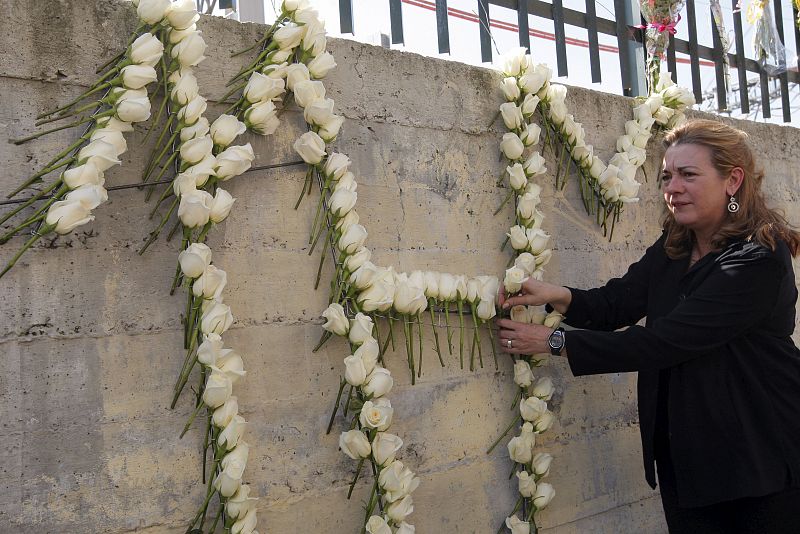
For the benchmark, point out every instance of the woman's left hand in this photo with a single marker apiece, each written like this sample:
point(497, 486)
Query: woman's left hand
point(525, 338)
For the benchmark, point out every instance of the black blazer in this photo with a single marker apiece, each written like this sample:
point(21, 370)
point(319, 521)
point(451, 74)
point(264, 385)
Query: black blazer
point(720, 334)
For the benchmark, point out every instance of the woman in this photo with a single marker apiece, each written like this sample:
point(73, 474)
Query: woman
point(719, 375)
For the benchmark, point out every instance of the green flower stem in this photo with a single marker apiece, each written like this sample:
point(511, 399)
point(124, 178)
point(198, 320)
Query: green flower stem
point(314, 234)
point(154, 233)
point(324, 338)
point(176, 280)
point(30, 201)
point(191, 315)
point(206, 436)
point(37, 177)
point(347, 404)
point(408, 333)
point(391, 329)
point(517, 398)
point(99, 85)
point(461, 331)
point(200, 405)
point(234, 108)
point(40, 134)
point(168, 190)
point(342, 383)
point(476, 337)
point(509, 196)
point(216, 518)
point(184, 377)
point(419, 333)
point(431, 303)
point(160, 174)
point(153, 163)
point(28, 244)
point(233, 90)
point(505, 432)
point(74, 112)
point(494, 351)
point(40, 214)
point(447, 327)
point(355, 478)
point(378, 337)
point(305, 184)
point(319, 268)
point(254, 65)
point(514, 511)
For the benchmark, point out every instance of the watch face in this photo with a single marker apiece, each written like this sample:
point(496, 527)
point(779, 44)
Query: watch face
point(556, 340)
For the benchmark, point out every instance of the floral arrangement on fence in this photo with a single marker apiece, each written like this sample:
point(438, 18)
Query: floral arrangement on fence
point(661, 16)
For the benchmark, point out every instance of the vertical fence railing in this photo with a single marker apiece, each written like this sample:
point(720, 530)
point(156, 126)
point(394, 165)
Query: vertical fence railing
point(629, 38)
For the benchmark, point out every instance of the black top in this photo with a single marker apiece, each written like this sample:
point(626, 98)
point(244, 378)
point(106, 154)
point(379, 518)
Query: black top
point(719, 334)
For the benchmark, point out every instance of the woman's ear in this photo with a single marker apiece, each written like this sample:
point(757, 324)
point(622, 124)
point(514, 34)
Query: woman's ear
point(735, 180)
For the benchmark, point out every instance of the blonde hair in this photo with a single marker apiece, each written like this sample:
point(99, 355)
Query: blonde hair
point(754, 220)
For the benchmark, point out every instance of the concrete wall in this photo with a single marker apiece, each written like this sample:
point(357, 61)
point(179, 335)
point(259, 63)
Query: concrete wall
point(90, 340)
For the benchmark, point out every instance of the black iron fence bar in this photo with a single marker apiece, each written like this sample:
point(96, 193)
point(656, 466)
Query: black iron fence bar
point(346, 16)
point(442, 30)
point(486, 36)
point(594, 44)
point(560, 37)
point(766, 107)
point(694, 60)
point(396, 19)
point(784, 78)
point(796, 14)
point(744, 90)
point(522, 24)
point(672, 61)
point(623, 44)
point(719, 67)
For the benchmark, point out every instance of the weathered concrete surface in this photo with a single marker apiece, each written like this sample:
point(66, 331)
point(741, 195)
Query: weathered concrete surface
point(90, 340)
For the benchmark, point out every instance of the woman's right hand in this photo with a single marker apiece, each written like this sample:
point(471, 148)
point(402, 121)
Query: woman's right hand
point(537, 293)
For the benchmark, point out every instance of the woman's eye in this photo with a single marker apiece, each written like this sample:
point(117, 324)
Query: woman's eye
point(665, 177)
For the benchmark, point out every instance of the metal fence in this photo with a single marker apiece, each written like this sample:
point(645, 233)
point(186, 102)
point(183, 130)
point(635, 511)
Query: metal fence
point(629, 39)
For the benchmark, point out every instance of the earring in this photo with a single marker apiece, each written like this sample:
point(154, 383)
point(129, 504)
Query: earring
point(733, 206)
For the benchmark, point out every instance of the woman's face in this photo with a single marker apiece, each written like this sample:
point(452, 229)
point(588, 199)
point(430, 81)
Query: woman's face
point(694, 190)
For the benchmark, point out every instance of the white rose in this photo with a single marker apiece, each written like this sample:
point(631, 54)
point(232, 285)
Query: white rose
point(368, 352)
point(189, 52)
point(542, 259)
point(296, 74)
point(486, 309)
point(289, 36)
point(556, 93)
point(473, 288)
point(532, 82)
point(523, 375)
point(195, 208)
point(663, 115)
point(398, 481)
point(240, 503)
point(355, 373)
point(510, 88)
point(194, 150)
point(336, 165)
point(352, 239)
point(447, 287)
point(232, 433)
point(101, 154)
point(544, 421)
point(67, 215)
point(314, 42)
point(232, 365)
point(137, 76)
point(185, 87)
point(526, 484)
point(176, 35)
point(431, 282)
point(378, 525)
point(532, 408)
point(512, 116)
point(146, 50)
point(362, 255)
point(519, 313)
point(112, 123)
point(194, 259)
point(210, 350)
point(233, 464)
point(534, 165)
point(233, 161)
point(152, 11)
point(310, 147)
point(261, 87)
point(365, 275)
point(89, 196)
point(597, 167)
point(336, 320)
point(517, 525)
point(319, 111)
point(461, 286)
point(379, 382)
point(489, 287)
point(409, 299)
point(111, 136)
point(530, 135)
point(511, 146)
point(405, 528)
point(636, 155)
point(360, 328)
point(86, 174)
point(330, 129)
point(193, 110)
point(582, 153)
point(216, 319)
point(221, 206)
point(526, 261)
point(225, 129)
point(321, 65)
point(182, 14)
point(399, 510)
point(513, 280)
point(544, 494)
point(529, 105)
point(197, 130)
point(307, 91)
point(544, 388)
point(558, 111)
point(384, 447)
point(514, 61)
point(517, 237)
point(376, 414)
point(516, 177)
point(210, 284)
point(354, 444)
point(541, 464)
point(224, 414)
point(218, 388)
point(520, 448)
point(537, 241)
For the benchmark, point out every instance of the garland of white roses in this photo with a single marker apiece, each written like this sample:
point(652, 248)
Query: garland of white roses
point(610, 185)
point(79, 188)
